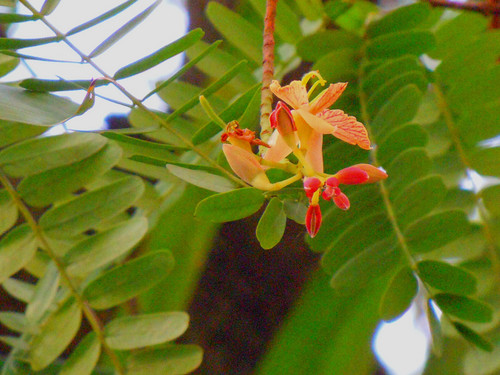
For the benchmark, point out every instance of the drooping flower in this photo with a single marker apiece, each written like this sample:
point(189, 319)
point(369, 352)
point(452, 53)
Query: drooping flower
point(314, 119)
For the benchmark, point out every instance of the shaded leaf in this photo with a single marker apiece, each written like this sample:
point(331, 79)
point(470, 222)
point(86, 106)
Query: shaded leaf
point(409, 42)
point(236, 30)
point(128, 280)
point(16, 249)
point(171, 360)
point(409, 166)
point(445, 277)
point(271, 226)
point(12, 132)
point(104, 247)
point(7, 64)
point(13, 43)
point(295, 210)
point(43, 295)
point(399, 294)
point(56, 334)
point(232, 205)
point(44, 85)
point(123, 30)
point(314, 46)
point(473, 337)
point(139, 331)
point(84, 357)
point(464, 307)
point(476, 126)
point(399, 140)
point(49, 6)
point(485, 161)
point(40, 154)
point(491, 199)
point(14, 321)
point(18, 289)
point(47, 187)
point(434, 231)
point(435, 329)
point(339, 65)
point(89, 209)
point(165, 53)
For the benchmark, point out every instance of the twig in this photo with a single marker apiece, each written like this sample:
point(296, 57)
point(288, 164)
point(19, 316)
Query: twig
point(485, 7)
point(266, 99)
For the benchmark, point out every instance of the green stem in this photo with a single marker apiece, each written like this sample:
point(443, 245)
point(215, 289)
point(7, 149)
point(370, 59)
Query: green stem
point(89, 313)
point(132, 98)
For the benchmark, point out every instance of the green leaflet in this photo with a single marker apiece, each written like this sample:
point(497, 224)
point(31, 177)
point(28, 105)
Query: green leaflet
point(165, 53)
point(43, 295)
point(18, 105)
point(402, 18)
point(485, 161)
point(12, 132)
point(89, 209)
point(409, 42)
point(317, 45)
point(400, 139)
point(464, 307)
point(339, 65)
point(476, 126)
point(139, 331)
point(84, 357)
point(16, 249)
point(236, 30)
point(295, 210)
point(7, 64)
point(202, 178)
point(435, 329)
point(399, 294)
point(101, 18)
point(410, 165)
point(20, 290)
point(124, 30)
point(14, 321)
point(272, 223)
point(491, 199)
point(435, 231)
point(232, 205)
point(56, 334)
point(473, 337)
point(101, 249)
point(362, 269)
point(40, 154)
point(44, 188)
point(366, 230)
point(14, 44)
point(44, 85)
point(418, 199)
point(126, 281)
point(6, 18)
point(170, 360)
point(49, 6)
point(8, 211)
point(445, 277)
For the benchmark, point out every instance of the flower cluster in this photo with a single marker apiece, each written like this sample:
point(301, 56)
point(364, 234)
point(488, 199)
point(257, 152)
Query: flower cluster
point(299, 131)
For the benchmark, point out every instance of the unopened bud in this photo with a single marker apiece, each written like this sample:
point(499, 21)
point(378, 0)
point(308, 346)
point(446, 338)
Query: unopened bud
point(311, 185)
point(313, 219)
point(374, 174)
point(342, 201)
point(352, 176)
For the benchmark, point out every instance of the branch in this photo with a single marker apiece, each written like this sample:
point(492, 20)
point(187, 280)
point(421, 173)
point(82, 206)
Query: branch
point(485, 7)
point(266, 99)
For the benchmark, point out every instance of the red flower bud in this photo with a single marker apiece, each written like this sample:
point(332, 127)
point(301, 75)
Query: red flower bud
point(374, 174)
point(342, 201)
point(313, 219)
point(352, 176)
point(281, 118)
point(332, 181)
point(311, 185)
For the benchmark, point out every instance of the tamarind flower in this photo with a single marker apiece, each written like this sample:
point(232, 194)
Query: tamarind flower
point(314, 119)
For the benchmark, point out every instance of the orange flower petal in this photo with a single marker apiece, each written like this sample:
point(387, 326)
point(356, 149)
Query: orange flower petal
point(278, 150)
point(346, 128)
point(317, 124)
point(294, 94)
point(242, 162)
point(327, 97)
point(314, 154)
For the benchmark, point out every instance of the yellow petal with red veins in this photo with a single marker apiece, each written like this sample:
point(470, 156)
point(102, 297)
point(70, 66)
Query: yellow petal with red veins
point(346, 128)
point(327, 97)
point(294, 94)
point(317, 124)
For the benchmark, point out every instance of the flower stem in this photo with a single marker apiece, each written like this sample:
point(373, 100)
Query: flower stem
point(266, 99)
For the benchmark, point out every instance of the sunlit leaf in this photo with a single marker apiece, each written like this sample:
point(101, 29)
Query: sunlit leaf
point(409, 42)
point(6, 18)
point(435, 329)
point(411, 165)
point(16, 249)
point(12, 132)
point(399, 294)
point(12, 43)
point(40, 154)
point(43, 295)
point(399, 140)
point(485, 161)
point(14, 321)
point(56, 334)
point(7, 64)
point(18, 105)
point(44, 188)
point(271, 226)
point(104, 247)
point(339, 65)
point(49, 6)
point(128, 280)
point(233, 205)
point(18, 289)
point(445, 277)
point(89, 209)
point(170, 360)
point(8, 211)
point(202, 179)
point(314, 46)
point(44, 85)
point(165, 53)
point(123, 30)
point(464, 307)
point(139, 331)
point(491, 199)
point(84, 357)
